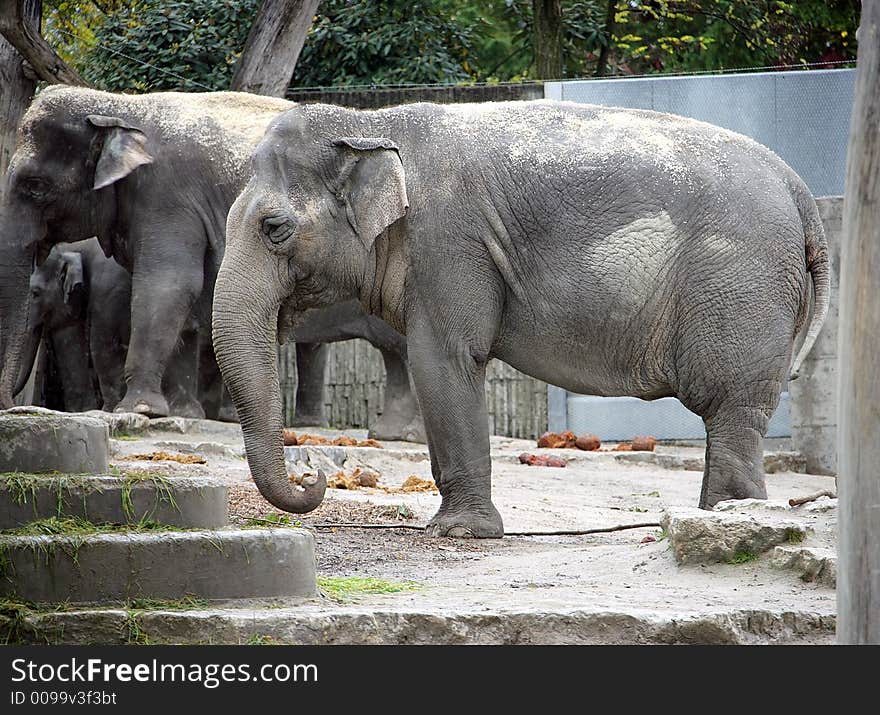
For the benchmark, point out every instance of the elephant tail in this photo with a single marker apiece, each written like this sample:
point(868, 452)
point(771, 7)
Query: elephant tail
point(816, 254)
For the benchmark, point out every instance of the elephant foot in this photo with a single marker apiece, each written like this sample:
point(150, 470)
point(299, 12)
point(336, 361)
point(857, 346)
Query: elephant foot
point(151, 404)
point(742, 490)
point(188, 408)
point(483, 523)
point(392, 428)
point(309, 420)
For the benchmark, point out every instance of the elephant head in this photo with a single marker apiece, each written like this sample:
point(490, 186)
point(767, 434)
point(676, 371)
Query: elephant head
point(299, 236)
point(56, 300)
point(60, 187)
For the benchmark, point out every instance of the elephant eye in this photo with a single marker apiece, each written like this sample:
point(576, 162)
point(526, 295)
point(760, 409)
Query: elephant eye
point(36, 187)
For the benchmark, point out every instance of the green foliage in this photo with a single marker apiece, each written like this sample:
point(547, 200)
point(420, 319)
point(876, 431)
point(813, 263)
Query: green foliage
point(189, 45)
point(385, 42)
point(194, 45)
point(659, 35)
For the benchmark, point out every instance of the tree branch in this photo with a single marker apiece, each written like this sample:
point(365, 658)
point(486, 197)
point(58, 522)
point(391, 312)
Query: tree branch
point(33, 48)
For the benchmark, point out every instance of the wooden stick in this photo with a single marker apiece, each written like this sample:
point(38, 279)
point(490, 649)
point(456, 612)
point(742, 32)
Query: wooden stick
point(797, 501)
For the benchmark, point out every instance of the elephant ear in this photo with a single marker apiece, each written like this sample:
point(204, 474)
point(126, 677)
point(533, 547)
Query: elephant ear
point(372, 183)
point(72, 278)
point(123, 151)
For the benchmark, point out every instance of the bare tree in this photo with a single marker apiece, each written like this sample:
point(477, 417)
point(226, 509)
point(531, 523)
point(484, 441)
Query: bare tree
point(858, 584)
point(547, 38)
point(273, 45)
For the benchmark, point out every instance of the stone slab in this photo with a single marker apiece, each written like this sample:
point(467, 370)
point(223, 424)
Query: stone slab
point(121, 423)
point(339, 625)
point(189, 502)
point(703, 537)
point(45, 441)
point(225, 564)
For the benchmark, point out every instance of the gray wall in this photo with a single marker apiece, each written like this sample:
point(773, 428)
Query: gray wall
point(802, 116)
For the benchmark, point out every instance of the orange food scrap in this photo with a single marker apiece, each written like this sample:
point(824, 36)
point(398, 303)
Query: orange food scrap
point(356, 480)
point(417, 484)
point(292, 439)
point(541, 460)
point(588, 442)
point(165, 457)
point(644, 444)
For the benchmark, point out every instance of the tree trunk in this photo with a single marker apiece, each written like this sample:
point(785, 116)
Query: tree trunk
point(602, 63)
point(273, 45)
point(858, 583)
point(16, 88)
point(548, 38)
point(17, 26)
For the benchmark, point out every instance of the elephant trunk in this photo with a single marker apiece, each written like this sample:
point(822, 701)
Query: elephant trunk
point(28, 356)
point(245, 324)
point(15, 274)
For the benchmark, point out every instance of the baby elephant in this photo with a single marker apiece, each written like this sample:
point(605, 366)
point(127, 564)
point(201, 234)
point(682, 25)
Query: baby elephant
point(608, 251)
point(79, 304)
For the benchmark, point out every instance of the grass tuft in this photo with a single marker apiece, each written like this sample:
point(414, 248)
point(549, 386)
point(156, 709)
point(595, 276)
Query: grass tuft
point(743, 557)
point(346, 588)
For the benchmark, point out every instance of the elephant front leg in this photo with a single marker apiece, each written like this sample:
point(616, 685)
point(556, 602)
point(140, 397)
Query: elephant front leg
point(311, 368)
point(451, 392)
point(160, 308)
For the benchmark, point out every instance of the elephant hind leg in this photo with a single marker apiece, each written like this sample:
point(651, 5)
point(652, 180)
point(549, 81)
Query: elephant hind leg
point(734, 454)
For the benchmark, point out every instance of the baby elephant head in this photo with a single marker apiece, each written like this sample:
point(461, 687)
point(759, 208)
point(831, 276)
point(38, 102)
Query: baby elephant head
point(300, 235)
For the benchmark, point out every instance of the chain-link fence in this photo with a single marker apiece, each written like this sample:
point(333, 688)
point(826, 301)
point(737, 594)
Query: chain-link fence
point(802, 116)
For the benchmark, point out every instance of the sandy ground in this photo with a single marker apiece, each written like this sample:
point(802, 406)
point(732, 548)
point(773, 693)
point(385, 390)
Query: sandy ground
point(601, 571)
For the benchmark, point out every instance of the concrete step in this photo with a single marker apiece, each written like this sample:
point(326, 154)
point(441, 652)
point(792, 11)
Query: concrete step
point(320, 624)
point(96, 568)
point(184, 501)
point(34, 439)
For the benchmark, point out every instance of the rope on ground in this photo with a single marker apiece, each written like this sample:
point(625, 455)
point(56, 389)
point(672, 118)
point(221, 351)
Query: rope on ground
point(562, 532)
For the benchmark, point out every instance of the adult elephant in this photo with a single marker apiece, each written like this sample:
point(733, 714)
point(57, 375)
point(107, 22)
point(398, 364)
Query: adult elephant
point(79, 305)
point(151, 176)
point(608, 251)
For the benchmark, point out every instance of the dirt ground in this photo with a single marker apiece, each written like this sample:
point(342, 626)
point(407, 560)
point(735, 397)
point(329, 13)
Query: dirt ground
point(620, 570)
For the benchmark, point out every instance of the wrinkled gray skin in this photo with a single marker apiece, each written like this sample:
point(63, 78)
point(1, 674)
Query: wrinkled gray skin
point(152, 177)
point(79, 303)
point(607, 251)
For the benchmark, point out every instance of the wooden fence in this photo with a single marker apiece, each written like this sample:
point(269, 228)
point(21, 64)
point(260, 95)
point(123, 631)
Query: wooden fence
point(517, 403)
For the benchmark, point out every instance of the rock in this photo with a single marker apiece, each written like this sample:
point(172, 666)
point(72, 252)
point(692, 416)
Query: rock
point(121, 423)
point(820, 505)
point(811, 564)
point(699, 536)
point(784, 462)
point(180, 425)
point(743, 505)
point(39, 441)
